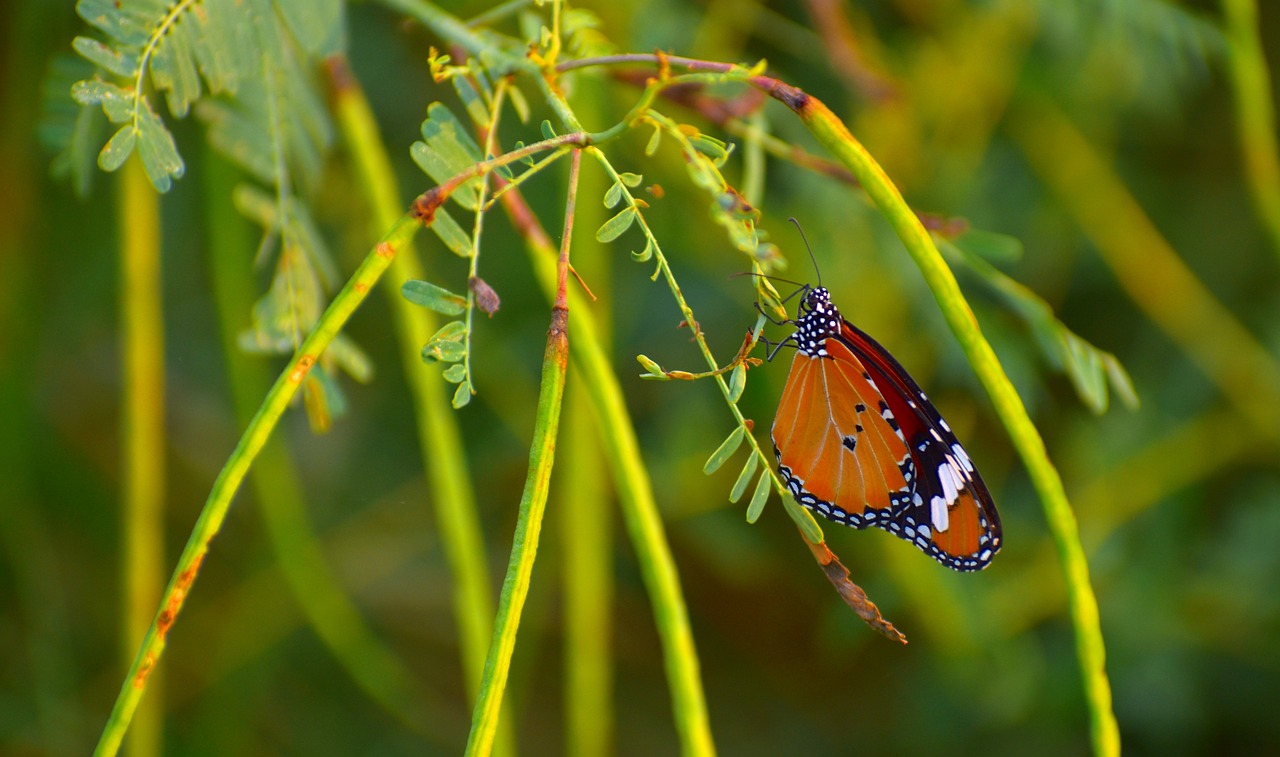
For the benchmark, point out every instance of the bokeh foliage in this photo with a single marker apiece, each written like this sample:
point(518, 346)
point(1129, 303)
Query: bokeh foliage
point(1100, 134)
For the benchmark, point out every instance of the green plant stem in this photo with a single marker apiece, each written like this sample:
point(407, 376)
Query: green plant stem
point(1255, 111)
point(524, 545)
point(439, 436)
point(586, 502)
point(442, 23)
point(142, 429)
point(635, 494)
point(228, 483)
point(833, 134)
point(331, 613)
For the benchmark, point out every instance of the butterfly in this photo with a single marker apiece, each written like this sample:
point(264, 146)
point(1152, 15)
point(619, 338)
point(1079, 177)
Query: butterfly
point(859, 443)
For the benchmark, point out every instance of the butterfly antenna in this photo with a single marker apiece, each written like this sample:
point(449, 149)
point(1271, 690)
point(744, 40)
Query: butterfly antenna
point(805, 239)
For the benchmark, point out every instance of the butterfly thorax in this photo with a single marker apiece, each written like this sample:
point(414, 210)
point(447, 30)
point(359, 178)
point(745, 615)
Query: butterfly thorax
point(819, 319)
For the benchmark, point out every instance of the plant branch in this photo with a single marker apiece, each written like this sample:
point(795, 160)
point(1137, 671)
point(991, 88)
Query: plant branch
point(833, 134)
point(439, 435)
point(524, 546)
point(635, 493)
point(228, 483)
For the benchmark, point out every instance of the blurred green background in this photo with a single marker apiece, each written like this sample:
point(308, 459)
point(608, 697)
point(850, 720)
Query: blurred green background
point(1103, 135)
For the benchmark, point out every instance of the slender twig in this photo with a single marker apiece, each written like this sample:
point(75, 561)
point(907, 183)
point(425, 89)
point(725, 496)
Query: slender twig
point(142, 431)
point(524, 545)
point(439, 435)
point(635, 494)
point(1255, 111)
point(1083, 604)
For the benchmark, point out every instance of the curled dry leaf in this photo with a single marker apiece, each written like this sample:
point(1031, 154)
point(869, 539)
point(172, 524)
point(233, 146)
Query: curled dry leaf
point(486, 299)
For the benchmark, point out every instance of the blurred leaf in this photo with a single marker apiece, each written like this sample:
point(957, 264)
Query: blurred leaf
point(737, 382)
point(117, 149)
point(348, 356)
point(70, 129)
point(113, 61)
point(447, 149)
point(724, 451)
point(316, 24)
point(116, 102)
point(1086, 366)
point(744, 477)
point(462, 396)
point(435, 298)
point(454, 236)
point(614, 227)
point(477, 107)
point(759, 497)
point(998, 248)
point(158, 151)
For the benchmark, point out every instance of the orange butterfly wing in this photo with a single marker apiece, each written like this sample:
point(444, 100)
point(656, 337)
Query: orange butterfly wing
point(830, 427)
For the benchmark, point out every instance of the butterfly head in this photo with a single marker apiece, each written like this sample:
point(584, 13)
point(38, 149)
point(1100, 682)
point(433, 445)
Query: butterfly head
point(819, 319)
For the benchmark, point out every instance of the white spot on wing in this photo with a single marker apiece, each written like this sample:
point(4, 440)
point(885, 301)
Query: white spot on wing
point(938, 514)
point(946, 475)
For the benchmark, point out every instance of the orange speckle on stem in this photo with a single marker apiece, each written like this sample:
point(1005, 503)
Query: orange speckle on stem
point(425, 206)
point(144, 670)
point(302, 368)
point(362, 287)
point(386, 250)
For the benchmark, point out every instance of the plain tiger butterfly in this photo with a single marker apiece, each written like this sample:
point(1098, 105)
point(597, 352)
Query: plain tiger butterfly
point(859, 443)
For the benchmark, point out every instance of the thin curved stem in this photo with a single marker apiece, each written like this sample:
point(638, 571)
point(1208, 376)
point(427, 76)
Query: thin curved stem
point(524, 546)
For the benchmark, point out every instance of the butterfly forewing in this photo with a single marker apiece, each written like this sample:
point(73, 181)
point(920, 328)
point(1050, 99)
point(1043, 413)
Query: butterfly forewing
point(829, 426)
point(860, 443)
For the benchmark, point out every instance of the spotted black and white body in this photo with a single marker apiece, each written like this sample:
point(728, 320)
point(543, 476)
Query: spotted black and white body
point(859, 443)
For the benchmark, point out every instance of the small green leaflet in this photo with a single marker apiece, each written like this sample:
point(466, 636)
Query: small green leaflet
point(432, 297)
point(724, 451)
point(737, 382)
point(444, 352)
point(613, 228)
point(644, 254)
point(447, 149)
point(111, 60)
point(759, 496)
point(454, 236)
point(744, 478)
point(463, 395)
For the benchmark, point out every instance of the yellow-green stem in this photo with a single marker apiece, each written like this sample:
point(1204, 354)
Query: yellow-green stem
point(228, 483)
point(440, 438)
point(833, 134)
point(142, 429)
point(524, 544)
point(635, 494)
point(1255, 112)
point(333, 615)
